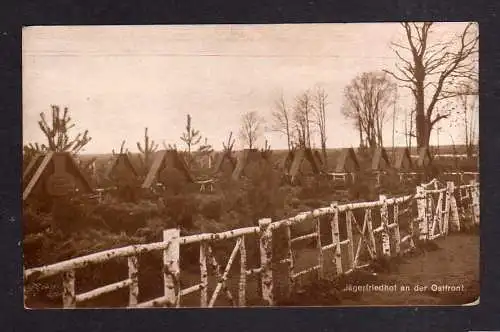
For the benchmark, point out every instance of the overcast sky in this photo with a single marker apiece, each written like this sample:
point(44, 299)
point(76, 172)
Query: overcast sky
point(116, 80)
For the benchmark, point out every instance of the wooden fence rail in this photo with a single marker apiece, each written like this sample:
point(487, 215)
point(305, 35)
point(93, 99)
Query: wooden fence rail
point(436, 210)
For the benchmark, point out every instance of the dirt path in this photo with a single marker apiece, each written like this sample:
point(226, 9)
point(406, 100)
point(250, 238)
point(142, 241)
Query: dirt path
point(448, 274)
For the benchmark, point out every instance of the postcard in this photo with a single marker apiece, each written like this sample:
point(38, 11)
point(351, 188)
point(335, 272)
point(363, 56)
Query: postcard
point(231, 165)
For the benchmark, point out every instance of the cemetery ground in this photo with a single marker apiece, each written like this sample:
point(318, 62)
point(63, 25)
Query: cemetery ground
point(80, 226)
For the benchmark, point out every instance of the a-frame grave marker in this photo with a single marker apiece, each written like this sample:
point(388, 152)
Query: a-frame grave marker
point(299, 157)
point(225, 163)
point(164, 161)
point(56, 175)
point(403, 164)
point(121, 171)
point(248, 158)
point(380, 164)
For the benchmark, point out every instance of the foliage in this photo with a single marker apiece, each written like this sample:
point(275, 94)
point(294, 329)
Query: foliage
point(58, 139)
point(191, 136)
point(122, 149)
point(205, 148)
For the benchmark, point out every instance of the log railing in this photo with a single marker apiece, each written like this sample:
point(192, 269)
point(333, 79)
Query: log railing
point(351, 231)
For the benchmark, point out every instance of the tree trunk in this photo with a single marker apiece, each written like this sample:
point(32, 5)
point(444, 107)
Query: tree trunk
point(421, 120)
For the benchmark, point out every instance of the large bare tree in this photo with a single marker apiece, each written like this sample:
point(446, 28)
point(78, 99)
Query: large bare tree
point(251, 128)
point(282, 120)
point(320, 99)
point(430, 66)
point(367, 100)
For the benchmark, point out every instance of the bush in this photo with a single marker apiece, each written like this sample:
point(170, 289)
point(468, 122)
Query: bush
point(181, 209)
point(211, 207)
point(125, 216)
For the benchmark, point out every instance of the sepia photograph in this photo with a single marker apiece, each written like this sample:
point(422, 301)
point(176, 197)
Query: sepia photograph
point(251, 165)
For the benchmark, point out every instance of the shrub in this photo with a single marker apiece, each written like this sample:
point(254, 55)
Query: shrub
point(211, 207)
point(126, 216)
point(181, 209)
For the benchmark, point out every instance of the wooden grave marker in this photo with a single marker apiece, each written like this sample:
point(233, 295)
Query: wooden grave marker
point(402, 161)
point(380, 160)
point(226, 163)
point(347, 162)
point(248, 158)
point(31, 168)
point(121, 170)
point(299, 157)
point(57, 175)
point(164, 161)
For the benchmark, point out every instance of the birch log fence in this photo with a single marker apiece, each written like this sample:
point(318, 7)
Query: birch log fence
point(381, 234)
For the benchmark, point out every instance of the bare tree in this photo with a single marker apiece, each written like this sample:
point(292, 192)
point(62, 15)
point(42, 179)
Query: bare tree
point(302, 117)
point(429, 68)
point(282, 120)
point(57, 135)
point(320, 99)
point(467, 101)
point(367, 100)
point(227, 146)
point(251, 127)
point(408, 127)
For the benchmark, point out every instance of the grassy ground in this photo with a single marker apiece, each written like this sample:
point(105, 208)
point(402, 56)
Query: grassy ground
point(453, 261)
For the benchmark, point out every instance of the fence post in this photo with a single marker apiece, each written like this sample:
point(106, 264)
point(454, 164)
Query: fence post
point(397, 234)
point(446, 216)
point(422, 216)
point(454, 216)
point(429, 213)
point(171, 270)
point(69, 297)
point(133, 275)
point(203, 274)
point(266, 255)
point(350, 244)
point(321, 271)
point(336, 237)
point(384, 221)
point(243, 274)
point(475, 201)
point(290, 266)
